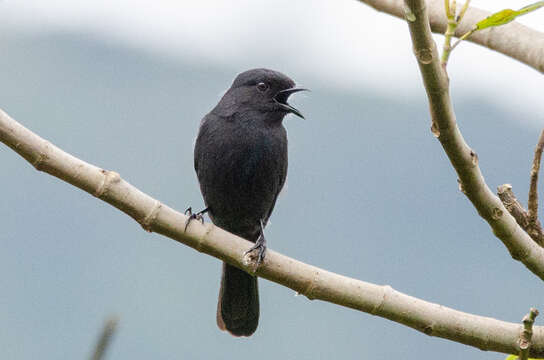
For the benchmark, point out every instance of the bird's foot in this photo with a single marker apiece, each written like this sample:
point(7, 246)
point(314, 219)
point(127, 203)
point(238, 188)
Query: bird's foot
point(260, 246)
point(198, 216)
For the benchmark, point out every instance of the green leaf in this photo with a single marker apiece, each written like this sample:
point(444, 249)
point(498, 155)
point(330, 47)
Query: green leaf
point(504, 17)
point(500, 18)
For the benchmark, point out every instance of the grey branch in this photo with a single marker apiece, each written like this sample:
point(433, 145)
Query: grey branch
point(462, 157)
point(514, 40)
point(315, 283)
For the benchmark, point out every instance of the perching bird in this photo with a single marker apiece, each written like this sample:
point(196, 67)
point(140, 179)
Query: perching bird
point(241, 163)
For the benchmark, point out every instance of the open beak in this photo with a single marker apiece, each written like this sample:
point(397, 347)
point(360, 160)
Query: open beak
point(281, 99)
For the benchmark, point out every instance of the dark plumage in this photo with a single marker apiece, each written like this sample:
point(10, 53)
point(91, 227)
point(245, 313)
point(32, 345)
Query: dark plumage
point(241, 164)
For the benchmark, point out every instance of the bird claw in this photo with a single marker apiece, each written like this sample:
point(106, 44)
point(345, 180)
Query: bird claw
point(260, 246)
point(198, 216)
point(261, 251)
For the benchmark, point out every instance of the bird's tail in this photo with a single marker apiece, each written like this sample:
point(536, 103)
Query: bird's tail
point(238, 305)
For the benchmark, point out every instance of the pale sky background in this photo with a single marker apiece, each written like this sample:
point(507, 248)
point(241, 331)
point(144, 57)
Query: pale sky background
point(123, 84)
point(350, 39)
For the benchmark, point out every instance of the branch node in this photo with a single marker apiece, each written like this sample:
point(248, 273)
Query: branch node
point(428, 330)
point(308, 292)
point(474, 158)
point(387, 290)
point(497, 213)
point(435, 130)
point(461, 187)
point(149, 219)
point(42, 156)
point(424, 55)
point(110, 177)
point(408, 13)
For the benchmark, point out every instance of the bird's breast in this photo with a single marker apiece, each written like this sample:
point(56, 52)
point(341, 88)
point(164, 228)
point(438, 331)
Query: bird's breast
point(241, 170)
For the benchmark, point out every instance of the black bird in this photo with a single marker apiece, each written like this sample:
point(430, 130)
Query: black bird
point(241, 163)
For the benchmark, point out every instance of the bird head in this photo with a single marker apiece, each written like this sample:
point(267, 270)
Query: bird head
point(264, 91)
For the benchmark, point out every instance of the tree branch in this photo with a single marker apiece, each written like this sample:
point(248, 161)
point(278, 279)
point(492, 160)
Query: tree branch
point(462, 157)
point(315, 283)
point(532, 205)
point(514, 40)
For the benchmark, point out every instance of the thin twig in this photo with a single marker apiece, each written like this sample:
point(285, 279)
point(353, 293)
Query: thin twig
point(527, 334)
point(447, 8)
point(453, 23)
point(463, 11)
point(105, 338)
point(532, 205)
point(448, 35)
point(450, 31)
point(463, 37)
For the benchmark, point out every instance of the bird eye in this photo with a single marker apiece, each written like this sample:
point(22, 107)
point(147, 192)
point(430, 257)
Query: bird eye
point(262, 86)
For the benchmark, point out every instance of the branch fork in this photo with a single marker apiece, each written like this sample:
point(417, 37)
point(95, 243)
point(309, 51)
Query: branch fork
point(527, 219)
